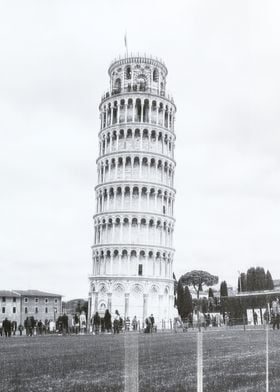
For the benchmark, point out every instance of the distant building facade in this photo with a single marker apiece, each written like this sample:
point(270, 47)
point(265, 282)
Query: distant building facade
point(17, 305)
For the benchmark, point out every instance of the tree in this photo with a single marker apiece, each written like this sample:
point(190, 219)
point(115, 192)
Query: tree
point(223, 289)
point(242, 283)
point(251, 279)
point(198, 279)
point(255, 280)
point(181, 302)
point(269, 281)
point(210, 293)
point(175, 284)
point(184, 300)
point(189, 304)
point(260, 279)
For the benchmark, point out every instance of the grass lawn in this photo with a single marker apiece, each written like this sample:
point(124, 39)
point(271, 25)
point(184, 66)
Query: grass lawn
point(233, 361)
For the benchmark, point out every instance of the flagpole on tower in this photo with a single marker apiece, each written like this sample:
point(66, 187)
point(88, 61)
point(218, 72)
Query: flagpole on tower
point(125, 43)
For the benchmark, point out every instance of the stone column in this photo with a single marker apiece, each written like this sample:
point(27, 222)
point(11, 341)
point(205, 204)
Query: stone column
point(145, 307)
point(160, 303)
point(112, 110)
point(95, 301)
point(111, 263)
point(130, 229)
point(109, 305)
point(113, 233)
point(140, 165)
point(126, 305)
point(118, 112)
point(133, 110)
point(157, 109)
point(124, 162)
point(122, 202)
point(121, 230)
point(125, 112)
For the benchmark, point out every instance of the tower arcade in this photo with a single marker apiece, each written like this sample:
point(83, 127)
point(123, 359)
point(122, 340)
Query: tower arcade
point(133, 251)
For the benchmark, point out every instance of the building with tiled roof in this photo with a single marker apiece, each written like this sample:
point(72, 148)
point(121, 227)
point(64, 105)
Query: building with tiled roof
point(17, 305)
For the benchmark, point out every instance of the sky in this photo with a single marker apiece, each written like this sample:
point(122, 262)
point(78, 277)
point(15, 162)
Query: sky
point(223, 60)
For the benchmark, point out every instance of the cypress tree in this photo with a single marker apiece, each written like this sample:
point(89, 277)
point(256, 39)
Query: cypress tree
point(224, 289)
point(260, 279)
point(189, 305)
point(210, 293)
point(269, 281)
point(180, 298)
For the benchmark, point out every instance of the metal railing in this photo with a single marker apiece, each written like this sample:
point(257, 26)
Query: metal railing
point(138, 89)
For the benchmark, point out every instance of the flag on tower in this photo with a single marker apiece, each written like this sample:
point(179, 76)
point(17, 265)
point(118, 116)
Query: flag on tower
point(125, 42)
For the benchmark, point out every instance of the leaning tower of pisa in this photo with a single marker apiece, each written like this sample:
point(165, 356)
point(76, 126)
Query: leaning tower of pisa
point(133, 250)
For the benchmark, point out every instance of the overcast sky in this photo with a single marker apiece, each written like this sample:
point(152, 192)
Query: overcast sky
point(223, 59)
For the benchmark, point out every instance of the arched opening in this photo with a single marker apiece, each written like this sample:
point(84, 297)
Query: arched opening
point(128, 72)
point(154, 113)
point(155, 75)
point(129, 110)
point(146, 111)
point(122, 111)
point(138, 110)
point(115, 112)
point(117, 86)
point(141, 82)
point(137, 139)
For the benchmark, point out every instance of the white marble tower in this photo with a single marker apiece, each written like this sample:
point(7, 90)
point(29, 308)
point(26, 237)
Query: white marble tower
point(133, 242)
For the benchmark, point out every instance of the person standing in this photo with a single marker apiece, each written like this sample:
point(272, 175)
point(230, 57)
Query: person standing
point(40, 327)
point(255, 316)
point(64, 320)
point(152, 322)
point(20, 328)
point(134, 323)
point(127, 324)
point(108, 321)
point(117, 322)
point(14, 327)
point(275, 311)
point(7, 327)
point(96, 323)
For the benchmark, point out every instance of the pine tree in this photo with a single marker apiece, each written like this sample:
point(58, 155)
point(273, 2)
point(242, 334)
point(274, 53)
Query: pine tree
point(260, 279)
point(189, 304)
point(180, 298)
point(269, 281)
point(223, 289)
point(210, 293)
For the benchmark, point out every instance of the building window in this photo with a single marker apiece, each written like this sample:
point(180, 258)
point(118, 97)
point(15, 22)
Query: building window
point(155, 75)
point(14, 299)
point(140, 269)
point(36, 310)
point(3, 299)
point(46, 300)
point(163, 210)
point(128, 72)
point(25, 310)
point(25, 300)
point(55, 310)
point(3, 310)
point(14, 309)
point(36, 300)
point(46, 310)
point(55, 301)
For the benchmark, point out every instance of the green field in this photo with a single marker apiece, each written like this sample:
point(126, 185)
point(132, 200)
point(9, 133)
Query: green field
point(233, 361)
